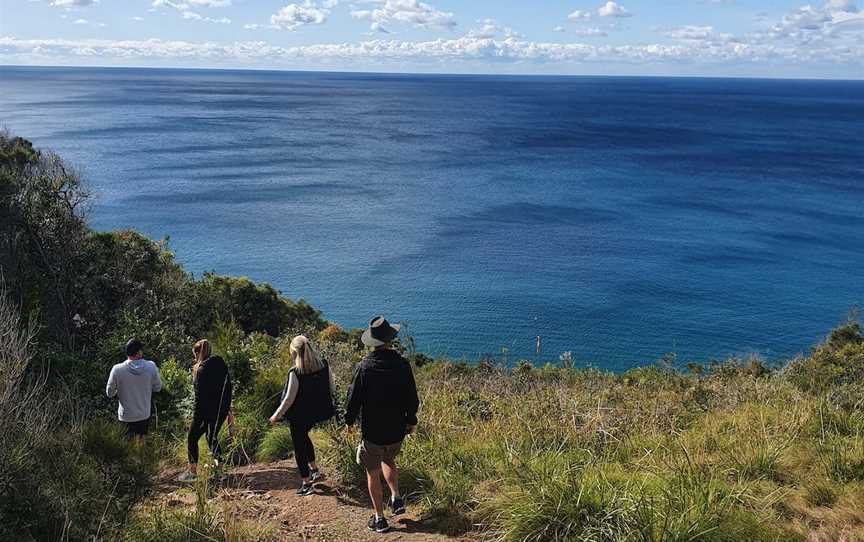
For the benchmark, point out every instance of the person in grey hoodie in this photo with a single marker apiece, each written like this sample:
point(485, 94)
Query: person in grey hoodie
point(134, 382)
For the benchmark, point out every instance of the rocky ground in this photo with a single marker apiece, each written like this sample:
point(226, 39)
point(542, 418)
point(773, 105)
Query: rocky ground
point(264, 494)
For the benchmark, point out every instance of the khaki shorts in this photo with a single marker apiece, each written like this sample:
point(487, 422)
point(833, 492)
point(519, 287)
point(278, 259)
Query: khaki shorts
point(371, 455)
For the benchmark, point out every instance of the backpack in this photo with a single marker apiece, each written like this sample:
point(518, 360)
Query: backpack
point(314, 403)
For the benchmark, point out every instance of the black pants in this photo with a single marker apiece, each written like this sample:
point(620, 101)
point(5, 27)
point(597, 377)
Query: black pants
point(304, 451)
point(202, 426)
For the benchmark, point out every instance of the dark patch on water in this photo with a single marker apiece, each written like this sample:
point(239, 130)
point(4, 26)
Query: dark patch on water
point(249, 193)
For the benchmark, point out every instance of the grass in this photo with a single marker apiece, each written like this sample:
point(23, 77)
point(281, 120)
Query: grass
point(735, 451)
point(276, 444)
point(731, 452)
point(203, 523)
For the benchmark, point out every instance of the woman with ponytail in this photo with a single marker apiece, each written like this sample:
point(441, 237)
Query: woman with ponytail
point(212, 384)
point(306, 400)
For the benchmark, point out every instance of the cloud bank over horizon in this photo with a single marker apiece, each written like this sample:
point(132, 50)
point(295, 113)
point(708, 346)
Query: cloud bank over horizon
point(824, 39)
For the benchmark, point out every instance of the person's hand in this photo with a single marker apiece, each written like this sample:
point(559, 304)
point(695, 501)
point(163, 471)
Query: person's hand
point(273, 420)
point(409, 429)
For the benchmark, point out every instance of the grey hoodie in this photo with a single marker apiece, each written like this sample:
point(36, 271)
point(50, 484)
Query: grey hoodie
point(133, 382)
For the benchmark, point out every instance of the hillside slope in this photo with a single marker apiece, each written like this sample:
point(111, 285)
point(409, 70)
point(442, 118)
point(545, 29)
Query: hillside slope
point(263, 494)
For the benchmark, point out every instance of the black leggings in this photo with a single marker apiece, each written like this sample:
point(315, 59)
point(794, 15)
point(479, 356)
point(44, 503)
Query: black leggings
point(304, 451)
point(199, 427)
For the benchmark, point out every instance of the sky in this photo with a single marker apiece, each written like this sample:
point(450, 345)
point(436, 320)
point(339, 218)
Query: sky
point(767, 38)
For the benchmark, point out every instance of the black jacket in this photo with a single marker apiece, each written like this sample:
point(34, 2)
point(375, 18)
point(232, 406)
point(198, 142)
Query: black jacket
point(212, 390)
point(384, 395)
point(314, 403)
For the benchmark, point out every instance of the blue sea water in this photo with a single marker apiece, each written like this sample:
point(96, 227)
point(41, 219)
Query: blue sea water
point(616, 218)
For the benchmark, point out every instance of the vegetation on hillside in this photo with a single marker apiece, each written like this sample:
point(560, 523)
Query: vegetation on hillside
point(725, 452)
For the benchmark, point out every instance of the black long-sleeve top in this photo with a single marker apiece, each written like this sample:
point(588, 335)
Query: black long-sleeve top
point(212, 389)
point(383, 393)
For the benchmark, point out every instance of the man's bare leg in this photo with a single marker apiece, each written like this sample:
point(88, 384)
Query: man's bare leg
point(376, 491)
point(391, 475)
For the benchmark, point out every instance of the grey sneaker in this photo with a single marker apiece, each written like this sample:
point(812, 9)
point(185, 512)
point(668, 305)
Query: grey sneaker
point(316, 476)
point(397, 505)
point(187, 476)
point(379, 525)
point(305, 489)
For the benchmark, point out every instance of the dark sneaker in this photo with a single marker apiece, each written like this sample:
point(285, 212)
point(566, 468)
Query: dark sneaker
point(316, 476)
point(378, 525)
point(397, 506)
point(305, 489)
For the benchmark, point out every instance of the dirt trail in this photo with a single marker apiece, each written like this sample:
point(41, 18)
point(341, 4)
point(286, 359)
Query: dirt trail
point(264, 492)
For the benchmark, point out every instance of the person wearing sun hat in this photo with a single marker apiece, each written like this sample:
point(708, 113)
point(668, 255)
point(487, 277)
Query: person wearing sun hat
point(384, 395)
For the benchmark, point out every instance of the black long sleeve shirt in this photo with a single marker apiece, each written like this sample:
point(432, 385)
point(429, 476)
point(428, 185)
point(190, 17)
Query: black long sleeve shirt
point(384, 395)
point(212, 389)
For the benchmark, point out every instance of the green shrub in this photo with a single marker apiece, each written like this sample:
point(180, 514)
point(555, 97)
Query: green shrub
point(550, 500)
point(694, 505)
point(340, 454)
point(275, 445)
point(842, 458)
point(838, 361)
point(820, 493)
point(174, 402)
point(248, 430)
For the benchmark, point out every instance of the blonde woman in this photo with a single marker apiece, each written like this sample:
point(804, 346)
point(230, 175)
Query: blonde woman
point(306, 400)
point(213, 391)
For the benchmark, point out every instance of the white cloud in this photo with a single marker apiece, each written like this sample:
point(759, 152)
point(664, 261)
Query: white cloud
point(186, 5)
point(413, 12)
point(559, 29)
point(808, 25)
point(592, 32)
point(74, 3)
point(185, 8)
point(136, 18)
point(490, 28)
point(580, 15)
point(192, 16)
point(293, 16)
point(690, 32)
point(454, 50)
point(613, 9)
point(818, 36)
point(209, 3)
point(846, 6)
point(81, 21)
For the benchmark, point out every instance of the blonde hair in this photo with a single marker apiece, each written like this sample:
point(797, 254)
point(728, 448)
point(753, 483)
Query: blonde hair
point(202, 352)
point(306, 359)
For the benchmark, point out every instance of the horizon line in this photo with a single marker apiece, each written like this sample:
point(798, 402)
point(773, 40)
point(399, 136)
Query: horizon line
point(432, 73)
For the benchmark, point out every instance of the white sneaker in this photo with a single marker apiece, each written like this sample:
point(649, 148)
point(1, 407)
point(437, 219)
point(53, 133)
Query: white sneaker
point(187, 476)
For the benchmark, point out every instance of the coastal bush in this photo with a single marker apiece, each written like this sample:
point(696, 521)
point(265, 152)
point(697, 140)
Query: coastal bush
point(276, 444)
point(175, 400)
point(254, 307)
point(340, 454)
point(551, 499)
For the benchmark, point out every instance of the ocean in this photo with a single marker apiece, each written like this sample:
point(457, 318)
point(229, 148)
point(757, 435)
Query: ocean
point(617, 218)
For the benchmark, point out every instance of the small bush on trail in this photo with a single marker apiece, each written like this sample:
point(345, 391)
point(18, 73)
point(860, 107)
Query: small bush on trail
point(275, 445)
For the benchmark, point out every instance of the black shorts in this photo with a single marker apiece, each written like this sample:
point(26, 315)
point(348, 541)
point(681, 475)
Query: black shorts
point(137, 428)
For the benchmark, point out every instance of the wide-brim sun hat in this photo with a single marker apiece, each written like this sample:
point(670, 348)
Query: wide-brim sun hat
point(379, 332)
